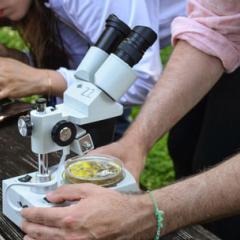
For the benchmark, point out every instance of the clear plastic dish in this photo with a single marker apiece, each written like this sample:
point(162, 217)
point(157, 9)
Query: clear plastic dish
point(97, 169)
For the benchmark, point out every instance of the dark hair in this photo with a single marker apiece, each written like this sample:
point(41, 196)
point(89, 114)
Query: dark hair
point(40, 31)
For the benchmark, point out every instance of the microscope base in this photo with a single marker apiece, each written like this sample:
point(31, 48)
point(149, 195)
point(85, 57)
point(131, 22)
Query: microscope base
point(23, 196)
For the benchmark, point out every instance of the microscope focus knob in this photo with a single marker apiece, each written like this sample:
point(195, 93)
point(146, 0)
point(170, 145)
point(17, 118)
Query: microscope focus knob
point(25, 126)
point(63, 133)
point(41, 105)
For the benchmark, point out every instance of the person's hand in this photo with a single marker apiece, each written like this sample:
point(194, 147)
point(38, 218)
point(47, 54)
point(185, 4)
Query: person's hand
point(19, 80)
point(100, 214)
point(131, 154)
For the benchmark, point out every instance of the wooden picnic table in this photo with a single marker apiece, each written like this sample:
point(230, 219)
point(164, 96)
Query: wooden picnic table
point(16, 159)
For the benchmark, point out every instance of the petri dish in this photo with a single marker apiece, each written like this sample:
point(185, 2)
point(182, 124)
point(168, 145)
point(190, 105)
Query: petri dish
point(97, 169)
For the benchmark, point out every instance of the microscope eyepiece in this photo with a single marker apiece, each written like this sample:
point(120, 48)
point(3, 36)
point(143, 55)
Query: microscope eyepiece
point(115, 22)
point(134, 46)
point(115, 31)
point(143, 37)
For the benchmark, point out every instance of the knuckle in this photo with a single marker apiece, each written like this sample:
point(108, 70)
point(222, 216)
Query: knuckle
point(87, 188)
point(38, 218)
point(32, 232)
point(24, 227)
point(70, 223)
point(36, 235)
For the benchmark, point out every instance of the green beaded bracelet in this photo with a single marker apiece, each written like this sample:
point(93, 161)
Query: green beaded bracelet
point(159, 216)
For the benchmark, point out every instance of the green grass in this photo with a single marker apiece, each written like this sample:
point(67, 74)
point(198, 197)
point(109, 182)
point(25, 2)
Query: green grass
point(165, 54)
point(159, 169)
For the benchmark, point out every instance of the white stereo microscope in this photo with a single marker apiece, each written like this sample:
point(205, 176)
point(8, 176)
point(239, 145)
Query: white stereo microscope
point(103, 76)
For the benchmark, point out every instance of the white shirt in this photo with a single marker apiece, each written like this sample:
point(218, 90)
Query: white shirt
point(169, 9)
point(84, 21)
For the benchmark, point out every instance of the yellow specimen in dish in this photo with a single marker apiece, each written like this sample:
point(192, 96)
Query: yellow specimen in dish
point(94, 169)
point(83, 169)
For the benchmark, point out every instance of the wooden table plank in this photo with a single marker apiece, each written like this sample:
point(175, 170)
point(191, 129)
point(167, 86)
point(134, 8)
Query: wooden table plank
point(16, 159)
point(192, 233)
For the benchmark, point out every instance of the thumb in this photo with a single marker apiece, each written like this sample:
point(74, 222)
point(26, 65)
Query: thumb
point(73, 192)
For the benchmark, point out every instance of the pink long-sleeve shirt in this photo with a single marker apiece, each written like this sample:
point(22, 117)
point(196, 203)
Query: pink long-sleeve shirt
point(212, 26)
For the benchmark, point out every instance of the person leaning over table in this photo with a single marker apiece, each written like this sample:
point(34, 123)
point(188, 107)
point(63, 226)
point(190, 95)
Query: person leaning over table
point(208, 134)
point(59, 33)
point(208, 46)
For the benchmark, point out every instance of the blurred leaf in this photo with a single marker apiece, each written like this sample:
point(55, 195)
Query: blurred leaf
point(12, 39)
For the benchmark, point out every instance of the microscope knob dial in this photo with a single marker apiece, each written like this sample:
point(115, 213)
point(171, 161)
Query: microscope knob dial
point(25, 126)
point(63, 133)
point(41, 105)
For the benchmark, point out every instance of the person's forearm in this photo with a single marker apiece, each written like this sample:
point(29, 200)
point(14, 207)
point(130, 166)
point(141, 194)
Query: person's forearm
point(209, 196)
point(21, 80)
point(189, 75)
point(206, 197)
point(50, 82)
point(58, 83)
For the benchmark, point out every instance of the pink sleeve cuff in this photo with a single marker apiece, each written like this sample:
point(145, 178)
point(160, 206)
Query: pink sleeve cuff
point(207, 40)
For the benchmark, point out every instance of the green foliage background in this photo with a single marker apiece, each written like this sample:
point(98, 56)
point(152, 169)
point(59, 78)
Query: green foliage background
point(11, 39)
point(158, 169)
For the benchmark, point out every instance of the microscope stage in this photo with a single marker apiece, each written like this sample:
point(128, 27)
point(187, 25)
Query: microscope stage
point(24, 196)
